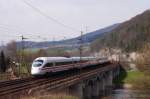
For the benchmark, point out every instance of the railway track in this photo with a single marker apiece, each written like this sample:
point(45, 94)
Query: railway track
point(20, 85)
point(13, 82)
point(73, 79)
point(11, 87)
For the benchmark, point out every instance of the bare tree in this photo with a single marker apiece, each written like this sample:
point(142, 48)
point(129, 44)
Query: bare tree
point(11, 48)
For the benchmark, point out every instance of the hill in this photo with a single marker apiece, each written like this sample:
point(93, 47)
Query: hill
point(130, 35)
point(87, 38)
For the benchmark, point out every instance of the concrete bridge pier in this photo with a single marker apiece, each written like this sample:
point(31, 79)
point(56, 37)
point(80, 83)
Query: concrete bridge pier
point(87, 90)
point(118, 70)
point(96, 89)
point(102, 87)
point(109, 82)
point(77, 90)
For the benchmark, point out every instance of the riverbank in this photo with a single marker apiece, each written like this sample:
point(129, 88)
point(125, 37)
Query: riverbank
point(51, 96)
point(132, 80)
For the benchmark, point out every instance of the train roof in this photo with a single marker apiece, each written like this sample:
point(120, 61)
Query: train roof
point(63, 59)
point(57, 59)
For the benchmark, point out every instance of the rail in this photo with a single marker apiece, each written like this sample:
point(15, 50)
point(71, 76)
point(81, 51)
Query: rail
point(33, 84)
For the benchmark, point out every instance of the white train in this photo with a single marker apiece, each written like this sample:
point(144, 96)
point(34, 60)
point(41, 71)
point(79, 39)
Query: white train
point(44, 65)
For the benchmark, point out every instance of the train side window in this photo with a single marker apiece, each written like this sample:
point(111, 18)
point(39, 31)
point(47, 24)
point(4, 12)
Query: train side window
point(48, 65)
point(59, 63)
point(62, 63)
point(75, 61)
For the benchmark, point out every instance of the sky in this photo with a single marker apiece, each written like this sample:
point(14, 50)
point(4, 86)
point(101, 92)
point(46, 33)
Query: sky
point(46, 20)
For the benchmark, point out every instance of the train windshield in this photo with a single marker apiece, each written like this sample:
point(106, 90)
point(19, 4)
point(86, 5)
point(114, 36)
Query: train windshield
point(37, 63)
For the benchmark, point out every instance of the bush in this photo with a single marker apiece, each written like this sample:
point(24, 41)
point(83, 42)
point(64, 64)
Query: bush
point(143, 62)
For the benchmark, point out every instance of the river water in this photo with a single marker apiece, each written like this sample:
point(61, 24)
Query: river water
point(129, 94)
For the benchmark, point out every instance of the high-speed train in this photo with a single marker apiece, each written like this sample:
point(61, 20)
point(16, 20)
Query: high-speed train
point(44, 65)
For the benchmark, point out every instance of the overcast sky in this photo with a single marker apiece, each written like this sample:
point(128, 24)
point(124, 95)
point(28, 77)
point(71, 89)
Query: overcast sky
point(19, 18)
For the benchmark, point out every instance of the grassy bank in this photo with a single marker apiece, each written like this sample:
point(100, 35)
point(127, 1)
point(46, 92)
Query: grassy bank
point(133, 76)
point(136, 79)
point(52, 97)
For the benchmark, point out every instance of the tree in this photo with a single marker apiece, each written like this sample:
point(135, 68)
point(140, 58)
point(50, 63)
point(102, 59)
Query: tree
point(41, 53)
point(143, 61)
point(2, 62)
point(12, 50)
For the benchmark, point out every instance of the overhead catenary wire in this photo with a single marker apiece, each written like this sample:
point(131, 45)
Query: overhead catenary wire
point(49, 17)
point(8, 29)
point(12, 27)
point(3, 33)
point(41, 13)
point(11, 35)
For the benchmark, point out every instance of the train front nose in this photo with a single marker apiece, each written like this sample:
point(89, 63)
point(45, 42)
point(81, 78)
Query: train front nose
point(35, 70)
point(36, 67)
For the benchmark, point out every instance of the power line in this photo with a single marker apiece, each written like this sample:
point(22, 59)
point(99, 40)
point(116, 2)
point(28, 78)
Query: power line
point(11, 30)
point(6, 35)
point(12, 27)
point(8, 29)
point(49, 17)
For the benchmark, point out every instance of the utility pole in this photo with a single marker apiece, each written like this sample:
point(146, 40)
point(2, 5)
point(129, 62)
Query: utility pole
point(22, 41)
point(22, 45)
point(22, 52)
point(81, 45)
point(80, 49)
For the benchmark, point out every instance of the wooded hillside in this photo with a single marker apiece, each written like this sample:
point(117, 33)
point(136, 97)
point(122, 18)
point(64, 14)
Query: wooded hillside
point(130, 35)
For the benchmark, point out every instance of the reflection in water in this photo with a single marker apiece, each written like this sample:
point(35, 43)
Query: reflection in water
point(129, 94)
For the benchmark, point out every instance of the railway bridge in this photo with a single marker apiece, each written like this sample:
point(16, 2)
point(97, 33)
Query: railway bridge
point(89, 83)
point(94, 84)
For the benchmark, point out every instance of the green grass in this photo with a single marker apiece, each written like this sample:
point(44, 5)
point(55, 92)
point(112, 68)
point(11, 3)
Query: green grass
point(52, 97)
point(4, 76)
point(129, 77)
point(32, 50)
point(133, 76)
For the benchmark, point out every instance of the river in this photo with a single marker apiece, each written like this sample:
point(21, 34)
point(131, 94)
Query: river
point(129, 94)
